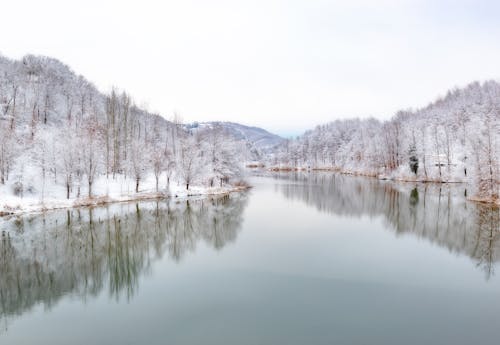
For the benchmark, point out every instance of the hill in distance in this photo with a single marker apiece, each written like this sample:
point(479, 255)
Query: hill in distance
point(259, 138)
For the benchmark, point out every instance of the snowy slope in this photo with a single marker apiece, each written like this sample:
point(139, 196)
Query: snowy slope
point(259, 138)
point(63, 142)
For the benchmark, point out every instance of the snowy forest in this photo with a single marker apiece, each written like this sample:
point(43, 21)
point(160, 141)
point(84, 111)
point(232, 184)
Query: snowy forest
point(61, 138)
point(454, 139)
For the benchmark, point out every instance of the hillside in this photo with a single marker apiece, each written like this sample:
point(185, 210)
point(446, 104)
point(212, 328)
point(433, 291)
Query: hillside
point(258, 137)
point(453, 139)
point(61, 138)
point(258, 141)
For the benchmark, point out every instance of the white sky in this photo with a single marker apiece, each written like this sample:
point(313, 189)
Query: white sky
point(282, 65)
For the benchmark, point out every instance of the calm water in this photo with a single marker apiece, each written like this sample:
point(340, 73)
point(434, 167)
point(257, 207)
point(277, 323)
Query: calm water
point(300, 259)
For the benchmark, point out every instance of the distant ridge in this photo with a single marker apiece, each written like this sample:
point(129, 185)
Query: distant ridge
point(259, 138)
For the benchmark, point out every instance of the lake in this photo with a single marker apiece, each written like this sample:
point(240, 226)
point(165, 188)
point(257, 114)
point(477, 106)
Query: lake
point(302, 258)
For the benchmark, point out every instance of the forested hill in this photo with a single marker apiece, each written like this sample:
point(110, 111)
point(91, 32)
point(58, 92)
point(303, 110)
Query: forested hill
point(454, 139)
point(56, 127)
point(39, 89)
point(259, 142)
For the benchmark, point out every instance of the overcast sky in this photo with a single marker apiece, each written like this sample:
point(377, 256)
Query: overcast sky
point(282, 65)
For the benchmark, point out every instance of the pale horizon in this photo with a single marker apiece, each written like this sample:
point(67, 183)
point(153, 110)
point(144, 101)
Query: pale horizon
point(282, 66)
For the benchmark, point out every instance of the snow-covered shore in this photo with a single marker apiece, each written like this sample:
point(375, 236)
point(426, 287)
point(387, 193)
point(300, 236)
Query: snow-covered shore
point(106, 191)
point(400, 176)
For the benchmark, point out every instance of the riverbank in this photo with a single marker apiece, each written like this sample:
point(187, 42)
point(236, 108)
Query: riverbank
point(397, 176)
point(106, 192)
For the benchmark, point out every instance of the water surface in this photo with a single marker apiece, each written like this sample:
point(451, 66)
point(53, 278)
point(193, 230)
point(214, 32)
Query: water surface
point(301, 259)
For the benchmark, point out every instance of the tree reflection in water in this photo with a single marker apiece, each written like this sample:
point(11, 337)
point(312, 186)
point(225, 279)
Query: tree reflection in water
point(82, 251)
point(438, 213)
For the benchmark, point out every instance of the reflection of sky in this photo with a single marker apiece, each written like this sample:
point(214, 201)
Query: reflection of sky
point(283, 65)
point(294, 275)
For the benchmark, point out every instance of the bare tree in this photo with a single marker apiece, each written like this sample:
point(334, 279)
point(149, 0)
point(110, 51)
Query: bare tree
point(138, 161)
point(91, 152)
point(189, 161)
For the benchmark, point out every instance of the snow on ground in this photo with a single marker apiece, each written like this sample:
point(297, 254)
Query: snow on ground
point(50, 196)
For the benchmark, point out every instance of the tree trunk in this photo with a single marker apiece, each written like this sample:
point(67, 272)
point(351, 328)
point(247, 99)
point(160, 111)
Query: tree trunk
point(137, 185)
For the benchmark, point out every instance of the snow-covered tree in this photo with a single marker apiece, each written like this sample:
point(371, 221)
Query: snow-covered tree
point(57, 129)
point(190, 160)
point(454, 139)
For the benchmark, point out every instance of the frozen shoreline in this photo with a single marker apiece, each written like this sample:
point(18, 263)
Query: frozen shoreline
point(12, 205)
point(399, 178)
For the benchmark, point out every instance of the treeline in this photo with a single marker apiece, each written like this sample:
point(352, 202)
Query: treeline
point(56, 126)
point(454, 139)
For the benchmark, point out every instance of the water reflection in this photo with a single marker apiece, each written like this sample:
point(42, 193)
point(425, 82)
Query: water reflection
point(437, 213)
point(83, 251)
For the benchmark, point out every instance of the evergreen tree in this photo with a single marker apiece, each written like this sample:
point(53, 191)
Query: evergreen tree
point(413, 159)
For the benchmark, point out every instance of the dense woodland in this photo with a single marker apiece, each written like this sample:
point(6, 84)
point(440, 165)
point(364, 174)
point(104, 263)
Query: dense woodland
point(57, 129)
point(454, 139)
